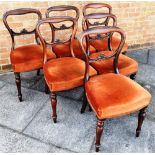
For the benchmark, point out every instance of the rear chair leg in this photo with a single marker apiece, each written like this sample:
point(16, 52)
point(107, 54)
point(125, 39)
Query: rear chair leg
point(84, 105)
point(46, 88)
point(54, 105)
point(90, 109)
point(133, 76)
point(18, 84)
point(99, 130)
point(124, 52)
point(141, 117)
point(38, 72)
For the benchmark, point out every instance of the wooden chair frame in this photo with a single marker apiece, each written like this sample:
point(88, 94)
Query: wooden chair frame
point(61, 8)
point(86, 25)
point(96, 30)
point(51, 21)
point(21, 11)
point(97, 6)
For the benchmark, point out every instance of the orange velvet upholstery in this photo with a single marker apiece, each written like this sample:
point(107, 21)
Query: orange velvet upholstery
point(126, 65)
point(102, 45)
point(29, 57)
point(65, 73)
point(113, 95)
point(63, 50)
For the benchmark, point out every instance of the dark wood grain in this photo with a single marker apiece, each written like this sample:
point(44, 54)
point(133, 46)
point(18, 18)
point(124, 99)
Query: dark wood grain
point(115, 54)
point(141, 117)
point(21, 11)
point(99, 131)
point(18, 84)
point(54, 105)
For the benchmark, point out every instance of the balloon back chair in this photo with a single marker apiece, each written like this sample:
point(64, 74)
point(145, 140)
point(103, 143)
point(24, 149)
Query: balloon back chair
point(25, 58)
point(106, 43)
point(126, 65)
point(112, 95)
point(62, 73)
point(63, 50)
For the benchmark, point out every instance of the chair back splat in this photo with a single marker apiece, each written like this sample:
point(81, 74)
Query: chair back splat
point(87, 24)
point(21, 11)
point(113, 54)
point(61, 8)
point(52, 21)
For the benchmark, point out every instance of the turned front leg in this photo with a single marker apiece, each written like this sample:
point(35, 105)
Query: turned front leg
point(18, 84)
point(141, 117)
point(99, 130)
point(54, 106)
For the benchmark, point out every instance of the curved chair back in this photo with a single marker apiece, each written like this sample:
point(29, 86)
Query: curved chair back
point(86, 24)
point(62, 8)
point(113, 54)
point(96, 6)
point(52, 21)
point(21, 11)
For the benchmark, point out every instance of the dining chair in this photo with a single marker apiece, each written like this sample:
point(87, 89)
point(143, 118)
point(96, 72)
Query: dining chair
point(126, 65)
point(62, 73)
point(101, 44)
point(112, 95)
point(28, 57)
point(63, 50)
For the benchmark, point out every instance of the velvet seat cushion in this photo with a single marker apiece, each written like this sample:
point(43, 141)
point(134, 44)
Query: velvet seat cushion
point(63, 50)
point(111, 95)
point(29, 57)
point(102, 45)
point(126, 65)
point(65, 73)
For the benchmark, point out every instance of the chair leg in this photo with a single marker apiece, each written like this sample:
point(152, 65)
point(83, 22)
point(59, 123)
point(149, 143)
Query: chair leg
point(18, 84)
point(133, 76)
point(84, 105)
point(38, 72)
point(46, 88)
point(90, 109)
point(141, 117)
point(99, 130)
point(54, 105)
point(124, 53)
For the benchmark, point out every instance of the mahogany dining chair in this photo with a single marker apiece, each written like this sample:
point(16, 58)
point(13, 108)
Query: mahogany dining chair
point(112, 95)
point(63, 50)
point(106, 43)
point(28, 57)
point(62, 73)
point(126, 65)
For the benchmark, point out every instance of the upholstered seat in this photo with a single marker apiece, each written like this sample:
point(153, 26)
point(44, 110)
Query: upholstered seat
point(126, 65)
point(65, 73)
point(29, 57)
point(102, 45)
point(63, 50)
point(112, 95)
